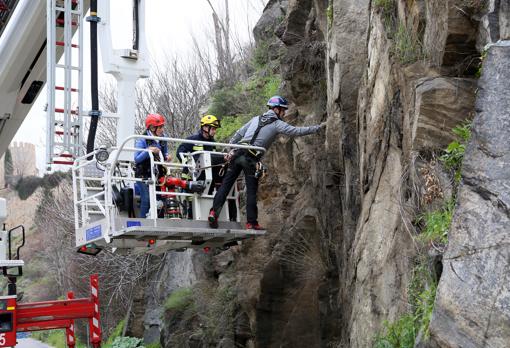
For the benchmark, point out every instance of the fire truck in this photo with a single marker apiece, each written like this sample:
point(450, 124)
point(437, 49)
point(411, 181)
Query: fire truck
point(16, 316)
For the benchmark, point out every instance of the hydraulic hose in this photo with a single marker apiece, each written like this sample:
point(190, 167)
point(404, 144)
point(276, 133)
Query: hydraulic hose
point(136, 26)
point(94, 112)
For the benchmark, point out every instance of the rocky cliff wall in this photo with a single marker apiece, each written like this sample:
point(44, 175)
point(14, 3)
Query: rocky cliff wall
point(473, 300)
point(392, 78)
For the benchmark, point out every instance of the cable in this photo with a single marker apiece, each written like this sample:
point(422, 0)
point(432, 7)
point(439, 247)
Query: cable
point(94, 114)
point(136, 24)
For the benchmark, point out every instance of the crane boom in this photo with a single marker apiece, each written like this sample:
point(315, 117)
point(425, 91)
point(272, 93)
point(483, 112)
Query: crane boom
point(22, 64)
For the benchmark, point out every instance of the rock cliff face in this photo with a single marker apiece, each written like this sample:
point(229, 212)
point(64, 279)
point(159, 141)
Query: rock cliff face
point(392, 78)
point(473, 300)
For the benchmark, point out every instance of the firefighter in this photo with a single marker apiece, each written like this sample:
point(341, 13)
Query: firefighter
point(259, 131)
point(209, 124)
point(154, 126)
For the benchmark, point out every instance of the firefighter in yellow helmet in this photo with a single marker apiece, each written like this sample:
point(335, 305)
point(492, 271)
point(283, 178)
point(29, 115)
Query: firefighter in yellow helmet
point(209, 124)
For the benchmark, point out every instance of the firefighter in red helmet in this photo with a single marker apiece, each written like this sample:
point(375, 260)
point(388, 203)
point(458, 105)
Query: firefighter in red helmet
point(154, 126)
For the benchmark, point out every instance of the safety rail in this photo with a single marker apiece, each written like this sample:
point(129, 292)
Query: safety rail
point(103, 192)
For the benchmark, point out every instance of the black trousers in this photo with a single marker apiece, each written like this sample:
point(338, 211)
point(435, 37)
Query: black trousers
point(241, 162)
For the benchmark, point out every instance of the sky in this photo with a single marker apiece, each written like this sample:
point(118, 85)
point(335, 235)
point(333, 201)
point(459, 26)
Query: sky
point(170, 25)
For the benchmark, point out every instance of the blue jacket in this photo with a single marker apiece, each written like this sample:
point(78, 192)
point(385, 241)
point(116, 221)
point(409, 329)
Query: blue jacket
point(142, 159)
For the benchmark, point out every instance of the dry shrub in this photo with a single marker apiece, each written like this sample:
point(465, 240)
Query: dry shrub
point(432, 186)
point(119, 275)
point(305, 257)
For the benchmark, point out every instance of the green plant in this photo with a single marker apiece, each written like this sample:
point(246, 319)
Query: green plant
point(454, 154)
point(387, 9)
point(384, 5)
point(479, 71)
point(407, 46)
point(244, 98)
point(226, 101)
point(421, 292)
point(423, 312)
point(153, 345)
point(229, 125)
point(329, 14)
point(261, 55)
point(437, 223)
point(179, 299)
point(116, 332)
point(463, 131)
point(271, 86)
point(54, 338)
point(420, 277)
point(127, 342)
point(218, 315)
point(399, 334)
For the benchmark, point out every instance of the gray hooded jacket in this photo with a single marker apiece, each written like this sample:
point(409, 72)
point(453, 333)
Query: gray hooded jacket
point(268, 133)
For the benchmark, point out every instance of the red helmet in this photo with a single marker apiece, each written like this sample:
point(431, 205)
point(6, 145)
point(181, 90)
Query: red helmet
point(155, 120)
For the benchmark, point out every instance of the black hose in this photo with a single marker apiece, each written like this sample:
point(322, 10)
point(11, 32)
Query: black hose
point(136, 26)
point(94, 113)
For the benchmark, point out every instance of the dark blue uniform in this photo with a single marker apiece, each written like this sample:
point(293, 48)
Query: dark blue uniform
point(189, 148)
point(215, 159)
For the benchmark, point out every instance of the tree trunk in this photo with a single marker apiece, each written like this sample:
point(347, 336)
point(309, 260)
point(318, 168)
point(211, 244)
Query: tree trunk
point(226, 35)
point(219, 48)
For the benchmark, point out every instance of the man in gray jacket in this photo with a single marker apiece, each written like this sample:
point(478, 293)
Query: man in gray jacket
point(259, 131)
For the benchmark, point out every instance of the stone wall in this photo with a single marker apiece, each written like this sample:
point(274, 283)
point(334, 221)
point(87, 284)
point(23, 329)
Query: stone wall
point(23, 159)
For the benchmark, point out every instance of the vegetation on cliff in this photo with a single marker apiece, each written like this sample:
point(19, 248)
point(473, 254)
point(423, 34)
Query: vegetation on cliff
point(433, 226)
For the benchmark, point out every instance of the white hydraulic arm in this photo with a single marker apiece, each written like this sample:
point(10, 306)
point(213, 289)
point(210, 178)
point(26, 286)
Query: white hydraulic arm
point(22, 63)
point(126, 65)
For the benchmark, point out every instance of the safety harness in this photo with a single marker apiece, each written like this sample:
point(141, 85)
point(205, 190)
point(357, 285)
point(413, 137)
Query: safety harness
point(261, 124)
point(260, 168)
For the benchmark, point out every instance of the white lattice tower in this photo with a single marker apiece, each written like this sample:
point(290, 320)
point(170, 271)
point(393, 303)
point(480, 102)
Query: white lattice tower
point(64, 81)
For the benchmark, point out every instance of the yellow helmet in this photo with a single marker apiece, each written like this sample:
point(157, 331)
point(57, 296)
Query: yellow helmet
point(210, 120)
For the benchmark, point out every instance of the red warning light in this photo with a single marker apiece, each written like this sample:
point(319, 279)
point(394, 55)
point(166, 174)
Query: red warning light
point(90, 249)
point(207, 249)
point(152, 241)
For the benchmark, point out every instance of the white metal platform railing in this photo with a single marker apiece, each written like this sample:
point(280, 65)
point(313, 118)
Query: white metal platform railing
point(100, 220)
